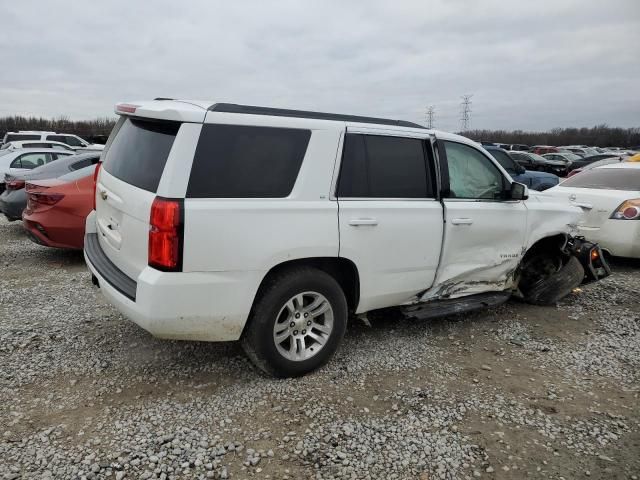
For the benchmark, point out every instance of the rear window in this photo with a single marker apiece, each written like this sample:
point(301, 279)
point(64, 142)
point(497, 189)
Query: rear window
point(78, 174)
point(234, 161)
point(606, 178)
point(12, 137)
point(139, 151)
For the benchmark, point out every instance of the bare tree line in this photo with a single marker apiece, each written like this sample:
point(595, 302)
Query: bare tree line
point(83, 128)
point(599, 136)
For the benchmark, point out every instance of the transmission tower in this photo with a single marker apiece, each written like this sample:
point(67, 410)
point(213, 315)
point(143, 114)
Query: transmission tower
point(465, 113)
point(431, 114)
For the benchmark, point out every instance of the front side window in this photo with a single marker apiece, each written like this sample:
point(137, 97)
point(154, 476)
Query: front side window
point(383, 167)
point(71, 140)
point(239, 161)
point(471, 174)
point(504, 160)
point(56, 138)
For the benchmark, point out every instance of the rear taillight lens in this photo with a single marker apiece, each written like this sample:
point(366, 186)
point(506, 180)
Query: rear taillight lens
point(628, 210)
point(45, 198)
point(95, 182)
point(15, 184)
point(165, 234)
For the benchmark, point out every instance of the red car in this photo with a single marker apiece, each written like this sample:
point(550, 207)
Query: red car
point(57, 209)
point(542, 149)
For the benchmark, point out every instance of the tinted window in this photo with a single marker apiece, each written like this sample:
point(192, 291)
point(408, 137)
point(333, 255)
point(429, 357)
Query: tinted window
point(471, 174)
point(11, 137)
point(139, 152)
point(383, 167)
point(37, 145)
point(606, 178)
point(85, 162)
point(78, 174)
point(71, 140)
point(242, 161)
point(504, 160)
point(56, 138)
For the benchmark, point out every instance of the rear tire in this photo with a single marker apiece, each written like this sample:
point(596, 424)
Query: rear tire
point(297, 322)
point(553, 287)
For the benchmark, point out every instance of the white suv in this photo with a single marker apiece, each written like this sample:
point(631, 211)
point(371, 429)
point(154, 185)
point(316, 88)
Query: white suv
point(73, 141)
point(224, 222)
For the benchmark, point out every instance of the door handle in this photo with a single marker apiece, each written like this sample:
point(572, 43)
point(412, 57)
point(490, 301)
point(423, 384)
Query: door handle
point(358, 222)
point(461, 221)
point(586, 206)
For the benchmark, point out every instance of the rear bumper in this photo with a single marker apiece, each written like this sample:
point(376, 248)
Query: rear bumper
point(12, 210)
point(42, 230)
point(206, 306)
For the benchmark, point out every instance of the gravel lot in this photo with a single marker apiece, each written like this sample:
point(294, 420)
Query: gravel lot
point(511, 392)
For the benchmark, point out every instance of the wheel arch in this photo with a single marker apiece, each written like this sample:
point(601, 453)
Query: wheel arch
point(555, 242)
point(343, 270)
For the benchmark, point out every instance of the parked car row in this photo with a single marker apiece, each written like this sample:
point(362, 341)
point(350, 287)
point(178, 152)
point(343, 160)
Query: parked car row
point(72, 141)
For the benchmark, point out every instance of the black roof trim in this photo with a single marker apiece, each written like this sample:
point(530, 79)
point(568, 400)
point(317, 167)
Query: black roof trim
point(282, 112)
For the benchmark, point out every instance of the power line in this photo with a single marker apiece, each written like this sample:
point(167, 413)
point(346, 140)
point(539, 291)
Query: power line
point(465, 113)
point(431, 114)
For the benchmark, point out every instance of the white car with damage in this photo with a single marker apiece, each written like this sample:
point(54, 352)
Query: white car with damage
point(224, 222)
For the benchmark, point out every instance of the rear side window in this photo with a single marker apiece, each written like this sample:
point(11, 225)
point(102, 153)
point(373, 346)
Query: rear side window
point(606, 178)
point(234, 161)
point(31, 160)
point(12, 137)
point(139, 152)
point(383, 167)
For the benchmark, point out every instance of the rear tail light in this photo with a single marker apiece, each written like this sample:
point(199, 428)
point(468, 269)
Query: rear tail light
point(166, 229)
point(15, 184)
point(95, 182)
point(628, 210)
point(45, 198)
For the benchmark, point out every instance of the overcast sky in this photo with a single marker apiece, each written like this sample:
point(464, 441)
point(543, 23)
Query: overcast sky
point(529, 64)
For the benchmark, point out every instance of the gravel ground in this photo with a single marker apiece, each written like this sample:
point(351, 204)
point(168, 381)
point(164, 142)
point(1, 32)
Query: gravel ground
point(511, 392)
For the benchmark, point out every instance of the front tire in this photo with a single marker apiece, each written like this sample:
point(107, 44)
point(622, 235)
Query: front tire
point(297, 322)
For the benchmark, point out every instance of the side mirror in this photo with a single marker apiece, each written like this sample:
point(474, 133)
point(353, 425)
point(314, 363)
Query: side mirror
point(519, 191)
point(520, 169)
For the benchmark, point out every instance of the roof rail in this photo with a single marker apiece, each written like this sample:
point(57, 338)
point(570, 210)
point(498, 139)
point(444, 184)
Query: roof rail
point(281, 112)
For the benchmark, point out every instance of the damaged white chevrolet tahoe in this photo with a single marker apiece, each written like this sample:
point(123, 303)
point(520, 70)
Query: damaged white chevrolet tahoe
point(223, 222)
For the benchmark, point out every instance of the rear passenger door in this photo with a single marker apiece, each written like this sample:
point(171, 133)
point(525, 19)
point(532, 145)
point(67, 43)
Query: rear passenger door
point(390, 220)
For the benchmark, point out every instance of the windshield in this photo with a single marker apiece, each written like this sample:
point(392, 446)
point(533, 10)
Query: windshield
point(535, 156)
point(504, 160)
point(606, 179)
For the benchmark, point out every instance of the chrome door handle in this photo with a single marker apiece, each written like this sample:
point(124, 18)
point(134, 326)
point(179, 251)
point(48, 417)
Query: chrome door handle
point(461, 221)
point(358, 222)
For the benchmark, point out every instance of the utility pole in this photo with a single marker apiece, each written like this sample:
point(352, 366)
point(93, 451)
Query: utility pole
point(431, 113)
point(465, 113)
